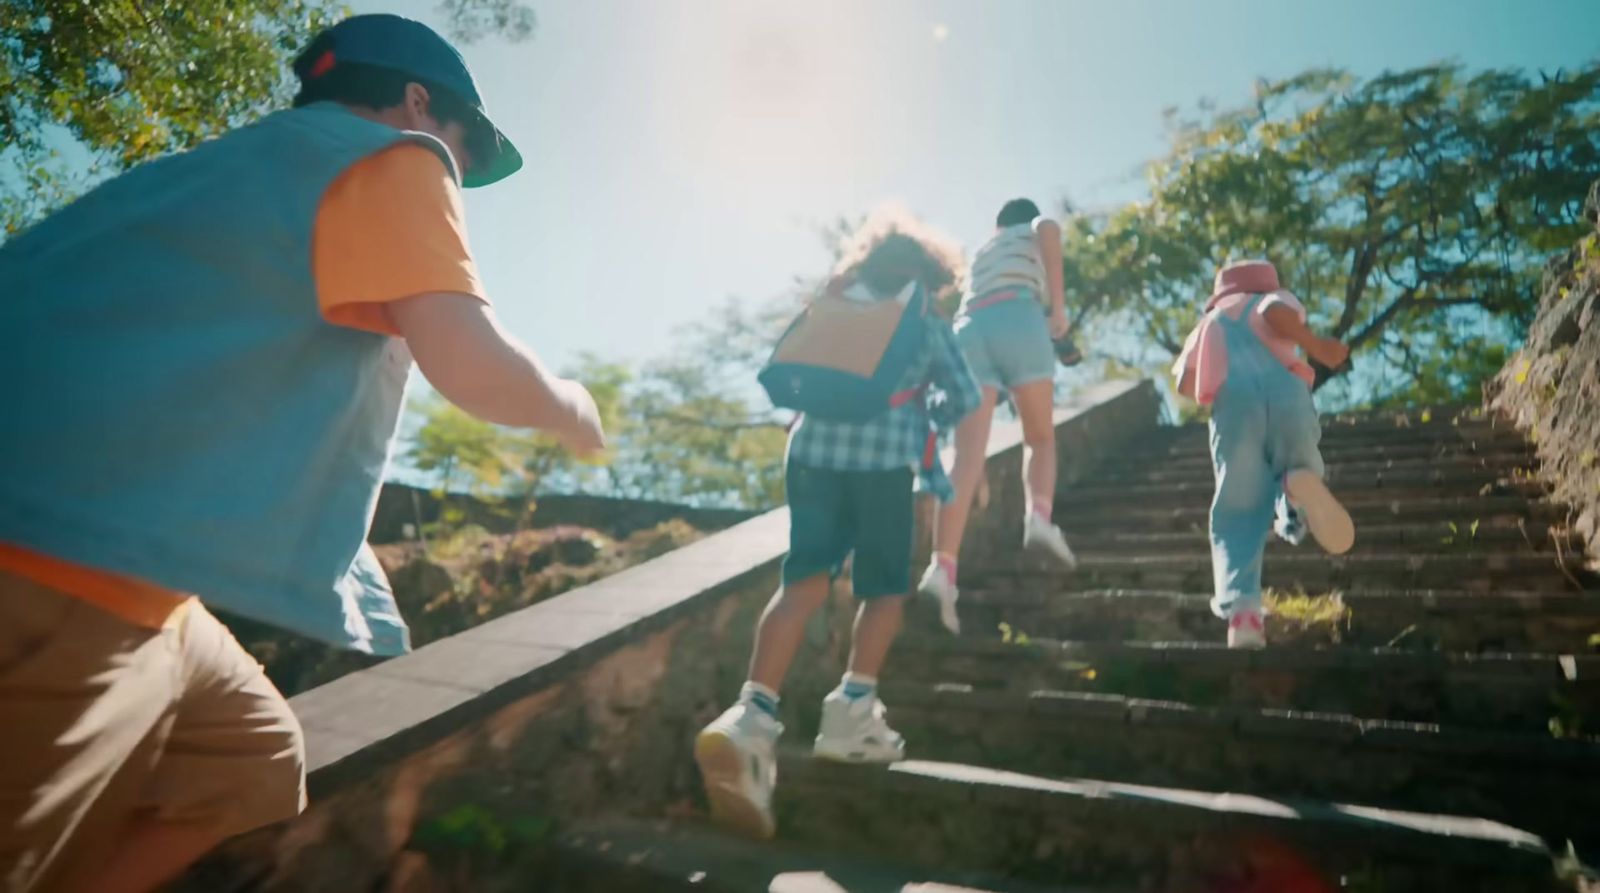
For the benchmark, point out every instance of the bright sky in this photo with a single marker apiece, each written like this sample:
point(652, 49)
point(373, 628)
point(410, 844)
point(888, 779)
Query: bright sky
point(684, 151)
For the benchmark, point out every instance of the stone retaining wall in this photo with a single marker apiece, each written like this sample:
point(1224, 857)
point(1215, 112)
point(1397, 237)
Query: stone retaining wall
point(1551, 388)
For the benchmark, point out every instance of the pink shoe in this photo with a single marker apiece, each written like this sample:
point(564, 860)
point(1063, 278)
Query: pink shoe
point(1246, 630)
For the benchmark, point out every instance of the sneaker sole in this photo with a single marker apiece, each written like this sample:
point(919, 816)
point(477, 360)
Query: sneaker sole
point(947, 607)
point(1068, 560)
point(825, 752)
point(722, 767)
point(1329, 523)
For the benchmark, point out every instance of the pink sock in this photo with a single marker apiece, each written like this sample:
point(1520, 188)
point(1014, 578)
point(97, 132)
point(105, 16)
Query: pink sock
point(946, 561)
point(1042, 510)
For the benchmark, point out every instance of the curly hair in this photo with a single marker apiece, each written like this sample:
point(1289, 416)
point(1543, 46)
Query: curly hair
point(892, 248)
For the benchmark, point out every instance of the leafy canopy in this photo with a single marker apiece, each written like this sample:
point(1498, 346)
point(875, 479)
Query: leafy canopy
point(1410, 212)
point(91, 87)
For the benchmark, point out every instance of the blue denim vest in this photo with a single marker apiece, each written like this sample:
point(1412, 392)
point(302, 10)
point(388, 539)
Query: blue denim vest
point(175, 408)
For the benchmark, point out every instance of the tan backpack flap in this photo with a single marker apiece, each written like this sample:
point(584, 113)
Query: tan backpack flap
point(843, 333)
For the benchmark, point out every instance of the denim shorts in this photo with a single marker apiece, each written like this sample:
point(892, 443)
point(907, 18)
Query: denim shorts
point(1008, 344)
point(835, 513)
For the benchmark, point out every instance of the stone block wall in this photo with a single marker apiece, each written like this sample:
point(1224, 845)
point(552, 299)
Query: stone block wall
point(1551, 388)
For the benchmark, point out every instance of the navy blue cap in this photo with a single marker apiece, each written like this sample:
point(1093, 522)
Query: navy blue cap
point(412, 48)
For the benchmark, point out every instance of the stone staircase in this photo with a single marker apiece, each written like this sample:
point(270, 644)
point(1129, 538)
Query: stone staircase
point(1425, 719)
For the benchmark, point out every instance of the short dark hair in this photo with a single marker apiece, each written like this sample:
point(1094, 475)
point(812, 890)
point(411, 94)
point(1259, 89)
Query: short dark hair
point(373, 87)
point(376, 87)
point(1018, 210)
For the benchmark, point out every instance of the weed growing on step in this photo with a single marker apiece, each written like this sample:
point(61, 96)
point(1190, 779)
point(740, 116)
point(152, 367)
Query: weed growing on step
point(1013, 636)
point(1303, 613)
point(1462, 537)
point(1569, 719)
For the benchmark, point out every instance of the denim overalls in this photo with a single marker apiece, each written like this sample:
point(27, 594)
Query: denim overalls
point(1263, 426)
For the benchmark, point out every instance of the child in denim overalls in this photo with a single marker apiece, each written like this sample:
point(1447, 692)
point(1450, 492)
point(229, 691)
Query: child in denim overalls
point(1241, 361)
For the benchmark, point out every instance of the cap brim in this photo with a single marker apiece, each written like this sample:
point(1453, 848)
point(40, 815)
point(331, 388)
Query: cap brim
point(502, 162)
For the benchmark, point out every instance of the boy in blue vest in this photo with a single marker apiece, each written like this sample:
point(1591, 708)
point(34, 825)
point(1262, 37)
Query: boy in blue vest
point(850, 493)
point(208, 356)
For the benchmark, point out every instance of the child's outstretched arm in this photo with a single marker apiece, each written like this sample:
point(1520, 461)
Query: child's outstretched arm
point(477, 366)
point(1047, 235)
point(950, 375)
point(1286, 322)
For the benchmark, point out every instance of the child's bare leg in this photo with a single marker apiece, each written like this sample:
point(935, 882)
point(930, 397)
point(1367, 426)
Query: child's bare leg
point(1036, 406)
point(877, 624)
point(783, 628)
point(972, 443)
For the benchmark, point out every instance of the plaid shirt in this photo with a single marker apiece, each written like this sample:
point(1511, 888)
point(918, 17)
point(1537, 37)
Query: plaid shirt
point(899, 437)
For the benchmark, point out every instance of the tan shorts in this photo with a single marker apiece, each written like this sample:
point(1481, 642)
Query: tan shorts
point(103, 723)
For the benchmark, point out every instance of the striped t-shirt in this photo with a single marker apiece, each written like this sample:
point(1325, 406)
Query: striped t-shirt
point(1009, 260)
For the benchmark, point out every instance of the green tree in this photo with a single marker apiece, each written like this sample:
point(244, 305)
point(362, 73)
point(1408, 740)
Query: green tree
point(1410, 212)
point(93, 87)
point(462, 452)
point(542, 461)
point(698, 429)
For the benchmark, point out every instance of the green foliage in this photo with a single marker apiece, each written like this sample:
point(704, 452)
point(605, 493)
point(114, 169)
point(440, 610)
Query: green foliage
point(693, 427)
point(476, 839)
point(465, 454)
point(94, 87)
point(461, 451)
point(1410, 213)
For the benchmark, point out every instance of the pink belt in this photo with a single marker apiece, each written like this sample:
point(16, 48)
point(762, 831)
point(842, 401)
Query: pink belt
point(994, 297)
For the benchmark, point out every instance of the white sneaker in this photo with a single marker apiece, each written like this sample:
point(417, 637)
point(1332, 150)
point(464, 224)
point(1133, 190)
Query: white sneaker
point(736, 759)
point(1037, 533)
point(855, 731)
point(1246, 630)
point(1328, 521)
point(937, 583)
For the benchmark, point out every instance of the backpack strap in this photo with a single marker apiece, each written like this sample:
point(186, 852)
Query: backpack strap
point(901, 398)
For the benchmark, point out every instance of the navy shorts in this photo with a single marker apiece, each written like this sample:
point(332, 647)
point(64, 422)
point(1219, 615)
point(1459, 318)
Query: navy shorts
point(834, 513)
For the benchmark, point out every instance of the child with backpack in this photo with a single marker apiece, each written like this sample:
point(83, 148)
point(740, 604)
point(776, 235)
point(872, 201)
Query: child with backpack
point(875, 372)
point(1241, 361)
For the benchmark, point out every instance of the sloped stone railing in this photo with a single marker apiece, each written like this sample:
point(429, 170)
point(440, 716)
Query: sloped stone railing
point(454, 761)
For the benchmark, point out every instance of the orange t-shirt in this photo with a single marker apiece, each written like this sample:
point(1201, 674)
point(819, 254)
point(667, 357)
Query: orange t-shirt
point(390, 227)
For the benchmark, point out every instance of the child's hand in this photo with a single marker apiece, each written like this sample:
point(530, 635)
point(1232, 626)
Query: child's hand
point(582, 434)
point(1059, 324)
point(1331, 352)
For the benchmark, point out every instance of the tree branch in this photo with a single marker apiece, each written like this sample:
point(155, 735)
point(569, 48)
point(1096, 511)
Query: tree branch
point(1375, 325)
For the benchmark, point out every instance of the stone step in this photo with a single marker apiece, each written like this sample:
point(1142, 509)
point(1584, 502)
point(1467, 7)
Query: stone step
point(1456, 412)
point(623, 856)
point(1464, 510)
point(1304, 568)
point(1073, 831)
point(1453, 620)
point(1546, 785)
point(1426, 536)
point(1198, 468)
point(1481, 433)
point(1100, 501)
point(1198, 454)
point(1413, 480)
point(1508, 691)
